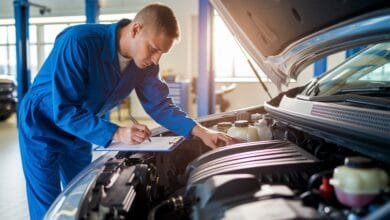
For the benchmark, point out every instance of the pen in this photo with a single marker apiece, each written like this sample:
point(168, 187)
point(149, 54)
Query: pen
point(136, 122)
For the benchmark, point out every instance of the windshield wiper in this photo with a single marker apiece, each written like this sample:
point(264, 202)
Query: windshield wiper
point(365, 90)
point(314, 86)
point(356, 99)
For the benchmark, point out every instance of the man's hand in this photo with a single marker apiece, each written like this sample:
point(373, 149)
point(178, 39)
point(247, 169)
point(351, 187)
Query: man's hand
point(212, 138)
point(133, 134)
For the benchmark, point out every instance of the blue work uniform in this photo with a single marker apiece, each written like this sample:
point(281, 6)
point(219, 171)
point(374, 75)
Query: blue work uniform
point(62, 113)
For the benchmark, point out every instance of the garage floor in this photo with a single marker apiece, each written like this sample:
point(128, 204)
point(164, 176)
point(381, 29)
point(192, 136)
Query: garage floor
point(13, 202)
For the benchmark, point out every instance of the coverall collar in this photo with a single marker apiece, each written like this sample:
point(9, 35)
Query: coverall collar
point(110, 51)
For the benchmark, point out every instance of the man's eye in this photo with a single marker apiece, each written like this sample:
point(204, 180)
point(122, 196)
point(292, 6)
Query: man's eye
point(153, 50)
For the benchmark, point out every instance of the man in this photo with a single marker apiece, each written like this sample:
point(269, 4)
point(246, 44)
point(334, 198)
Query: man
point(91, 69)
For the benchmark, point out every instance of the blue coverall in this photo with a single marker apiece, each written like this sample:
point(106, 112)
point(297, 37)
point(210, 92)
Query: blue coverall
point(61, 114)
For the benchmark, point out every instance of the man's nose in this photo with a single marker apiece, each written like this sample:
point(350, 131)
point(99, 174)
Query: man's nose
point(156, 58)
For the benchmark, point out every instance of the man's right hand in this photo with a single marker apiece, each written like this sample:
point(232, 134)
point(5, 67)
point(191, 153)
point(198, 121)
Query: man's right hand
point(132, 134)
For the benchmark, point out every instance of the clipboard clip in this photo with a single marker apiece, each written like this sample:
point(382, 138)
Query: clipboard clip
point(175, 141)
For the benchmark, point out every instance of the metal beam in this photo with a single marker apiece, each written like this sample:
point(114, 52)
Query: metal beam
point(320, 67)
point(21, 13)
point(92, 10)
point(205, 82)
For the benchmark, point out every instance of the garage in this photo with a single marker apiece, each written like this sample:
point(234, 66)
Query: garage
point(198, 109)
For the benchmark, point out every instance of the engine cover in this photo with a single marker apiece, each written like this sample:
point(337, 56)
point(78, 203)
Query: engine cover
point(231, 180)
point(272, 162)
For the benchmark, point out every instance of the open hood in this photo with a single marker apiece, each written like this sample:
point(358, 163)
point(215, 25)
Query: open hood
point(283, 37)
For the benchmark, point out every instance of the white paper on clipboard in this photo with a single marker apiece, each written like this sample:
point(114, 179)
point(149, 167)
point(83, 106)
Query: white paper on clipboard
point(157, 144)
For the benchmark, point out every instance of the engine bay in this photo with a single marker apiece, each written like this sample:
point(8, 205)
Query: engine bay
point(288, 176)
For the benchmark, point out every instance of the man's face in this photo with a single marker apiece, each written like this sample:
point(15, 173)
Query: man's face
point(147, 46)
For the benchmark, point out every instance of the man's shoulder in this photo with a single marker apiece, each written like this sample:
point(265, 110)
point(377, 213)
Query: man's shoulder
point(88, 37)
point(83, 31)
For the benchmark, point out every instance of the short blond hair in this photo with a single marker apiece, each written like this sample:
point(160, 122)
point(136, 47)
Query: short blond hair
point(161, 17)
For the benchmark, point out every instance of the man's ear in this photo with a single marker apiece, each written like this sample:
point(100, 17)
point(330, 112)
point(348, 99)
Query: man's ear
point(135, 29)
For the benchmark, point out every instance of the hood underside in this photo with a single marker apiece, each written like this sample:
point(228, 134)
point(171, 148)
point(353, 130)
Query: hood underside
point(283, 37)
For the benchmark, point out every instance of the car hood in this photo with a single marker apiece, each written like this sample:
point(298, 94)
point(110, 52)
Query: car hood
point(283, 37)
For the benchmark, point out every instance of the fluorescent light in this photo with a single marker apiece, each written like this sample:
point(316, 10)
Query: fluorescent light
point(115, 17)
point(62, 19)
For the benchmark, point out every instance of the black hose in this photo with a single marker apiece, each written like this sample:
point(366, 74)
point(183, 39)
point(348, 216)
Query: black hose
point(152, 213)
point(174, 203)
point(315, 179)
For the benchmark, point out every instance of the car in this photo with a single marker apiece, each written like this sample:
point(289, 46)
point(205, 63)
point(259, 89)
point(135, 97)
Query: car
point(322, 150)
point(7, 97)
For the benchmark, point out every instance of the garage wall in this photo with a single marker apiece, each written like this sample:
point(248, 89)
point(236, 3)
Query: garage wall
point(252, 93)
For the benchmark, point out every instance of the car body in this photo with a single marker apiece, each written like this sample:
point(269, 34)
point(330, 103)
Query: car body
point(343, 115)
point(7, 97)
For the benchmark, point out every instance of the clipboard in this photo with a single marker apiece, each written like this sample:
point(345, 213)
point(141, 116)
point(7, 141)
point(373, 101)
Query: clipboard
point(157, 144)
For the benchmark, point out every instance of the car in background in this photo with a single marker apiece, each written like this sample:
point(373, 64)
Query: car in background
point(328, 152)
point(7, 97)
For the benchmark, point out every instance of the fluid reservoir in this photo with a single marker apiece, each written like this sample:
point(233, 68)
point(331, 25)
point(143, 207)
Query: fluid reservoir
point(242, 130)
point(358, 182)
point(263, 130)
point(224, 126)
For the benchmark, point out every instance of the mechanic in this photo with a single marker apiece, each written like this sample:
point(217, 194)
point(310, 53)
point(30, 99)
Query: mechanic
point(91, 68)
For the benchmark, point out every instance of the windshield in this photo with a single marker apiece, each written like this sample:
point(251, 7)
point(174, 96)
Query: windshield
point(367, 72)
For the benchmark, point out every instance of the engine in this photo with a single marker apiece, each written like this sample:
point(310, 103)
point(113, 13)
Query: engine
point(294, 175)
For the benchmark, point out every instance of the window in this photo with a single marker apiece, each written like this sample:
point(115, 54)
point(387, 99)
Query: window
point(42, 34)
point(7, 50)
point(50, 32)
point(367, 70)
point(33, 35)
point(229, 59)
point(381, 73)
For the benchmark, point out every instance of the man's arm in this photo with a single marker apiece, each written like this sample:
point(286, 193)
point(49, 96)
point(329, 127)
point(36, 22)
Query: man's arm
point(68, 92)
point(153, 94)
